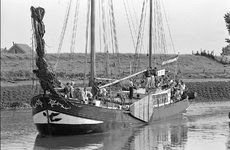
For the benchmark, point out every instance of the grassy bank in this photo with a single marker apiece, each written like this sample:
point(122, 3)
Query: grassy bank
point(19, 96)
point(19, 67)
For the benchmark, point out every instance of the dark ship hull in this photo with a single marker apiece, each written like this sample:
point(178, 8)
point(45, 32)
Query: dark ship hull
point(55, 116)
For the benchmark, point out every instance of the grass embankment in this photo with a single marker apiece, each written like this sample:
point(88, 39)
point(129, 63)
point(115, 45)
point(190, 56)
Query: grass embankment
point(19, 67)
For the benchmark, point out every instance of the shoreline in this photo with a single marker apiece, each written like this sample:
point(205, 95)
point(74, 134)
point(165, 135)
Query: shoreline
point(30, 82)
point(17, 95)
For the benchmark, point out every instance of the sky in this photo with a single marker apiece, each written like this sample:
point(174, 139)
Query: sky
point(194, 24)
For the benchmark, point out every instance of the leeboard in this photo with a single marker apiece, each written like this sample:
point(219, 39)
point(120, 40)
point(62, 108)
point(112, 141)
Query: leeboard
point(143, 109)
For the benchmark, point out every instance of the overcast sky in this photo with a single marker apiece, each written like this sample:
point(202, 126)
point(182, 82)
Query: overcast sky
point(194, 24)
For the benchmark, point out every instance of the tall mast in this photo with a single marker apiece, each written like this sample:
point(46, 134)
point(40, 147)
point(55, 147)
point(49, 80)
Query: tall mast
point(150, 34)
point(92, 44)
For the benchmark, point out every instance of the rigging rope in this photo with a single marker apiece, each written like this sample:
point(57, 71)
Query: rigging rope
point(142, 33)
point(160, 45)
point(115, 36)
point(63, 32)
point(129, 23)
point(73, 39)
point(140, 38)
point(170, 35)
point(72, 46)
point(110, 16)
point(131, 18)
point(86, 41)
point(135, 14)
point(110, 42)
point(159, 36)
point(105, 38)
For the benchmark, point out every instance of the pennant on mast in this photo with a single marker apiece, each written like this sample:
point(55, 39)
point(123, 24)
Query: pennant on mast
point(170, 60)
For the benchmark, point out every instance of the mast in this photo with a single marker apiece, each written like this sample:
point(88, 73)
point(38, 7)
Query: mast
point(150, 34)
point(92, 46)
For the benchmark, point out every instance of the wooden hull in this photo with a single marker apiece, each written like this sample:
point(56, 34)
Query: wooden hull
point(158, 105)
point(55, 116)
point(170, 110)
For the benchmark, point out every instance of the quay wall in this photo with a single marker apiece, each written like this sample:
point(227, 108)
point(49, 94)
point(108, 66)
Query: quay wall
point(210, 91)
point(19, 96)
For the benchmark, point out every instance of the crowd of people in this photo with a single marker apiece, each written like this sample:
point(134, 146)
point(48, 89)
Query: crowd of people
point(154, 81)
point(70, 90)
point(151, 81)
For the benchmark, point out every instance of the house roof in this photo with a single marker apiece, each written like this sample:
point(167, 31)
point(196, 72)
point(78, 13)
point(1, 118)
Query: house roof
point(3, 50)
point(24, 47)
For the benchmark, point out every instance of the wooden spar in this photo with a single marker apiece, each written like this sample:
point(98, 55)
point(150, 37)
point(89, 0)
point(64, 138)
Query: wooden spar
point(105, 79)
point(150, 34)
point(92, 42)
point(114, 82)
point(92, 47)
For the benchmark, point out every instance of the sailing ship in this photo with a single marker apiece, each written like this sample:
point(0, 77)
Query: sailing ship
point(55, 114)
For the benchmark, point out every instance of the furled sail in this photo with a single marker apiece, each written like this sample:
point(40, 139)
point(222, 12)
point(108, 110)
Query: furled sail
point(47, 78)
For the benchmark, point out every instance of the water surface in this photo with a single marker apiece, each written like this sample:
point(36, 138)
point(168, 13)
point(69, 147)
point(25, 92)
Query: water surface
point(205, 126)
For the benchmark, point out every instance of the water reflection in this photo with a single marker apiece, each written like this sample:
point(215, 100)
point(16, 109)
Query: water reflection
point(164, 135)
point(113, 140)
point(228, 140)
point(205, 126)
point(69, 142)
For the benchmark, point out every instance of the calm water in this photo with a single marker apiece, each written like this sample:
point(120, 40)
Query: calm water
point(205, 126)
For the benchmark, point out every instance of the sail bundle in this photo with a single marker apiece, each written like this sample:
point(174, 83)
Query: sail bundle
point(47, 78)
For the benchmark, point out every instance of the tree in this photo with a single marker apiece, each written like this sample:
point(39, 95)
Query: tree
point(227, 20)
point(225, 50)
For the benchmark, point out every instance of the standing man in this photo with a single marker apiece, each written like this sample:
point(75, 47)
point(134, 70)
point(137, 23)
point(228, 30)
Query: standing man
point(148, 78)
point(67, 90)
point(153, 76)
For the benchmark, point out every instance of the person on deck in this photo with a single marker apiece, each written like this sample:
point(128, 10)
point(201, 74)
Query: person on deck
point(177, 95)
point(131, 86)
point(89, 96)
point(153, 75)
point(103, 92)
point(182, 87)
point(67, 90)
point(77, 93)
point(71, 89)
point(148, 78)
point(84, 97)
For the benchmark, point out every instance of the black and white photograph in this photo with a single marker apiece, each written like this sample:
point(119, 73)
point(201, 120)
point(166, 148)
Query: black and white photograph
point(115, 74)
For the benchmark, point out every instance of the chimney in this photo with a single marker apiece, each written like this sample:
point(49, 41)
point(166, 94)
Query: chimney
point(13, 42)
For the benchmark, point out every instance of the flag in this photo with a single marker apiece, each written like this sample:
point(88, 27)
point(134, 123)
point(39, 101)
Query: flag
point(170, 60)
point(161, 72)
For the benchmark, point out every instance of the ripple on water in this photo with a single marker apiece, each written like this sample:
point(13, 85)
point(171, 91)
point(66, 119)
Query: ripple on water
point(205, 126)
